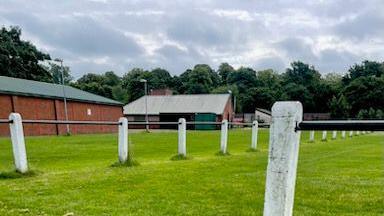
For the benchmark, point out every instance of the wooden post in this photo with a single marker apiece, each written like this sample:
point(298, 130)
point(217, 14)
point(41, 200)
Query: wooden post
point(350, 133)
point(123, 140)
point(324, 136)
point(255, 128)
point(334, 134)
point(343, 134)
point(312, 136)
point(282, 160)
point(182, 141)
point(224, 136)
point(18, 143)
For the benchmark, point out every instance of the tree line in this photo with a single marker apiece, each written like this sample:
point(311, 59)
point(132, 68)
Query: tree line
point(359, 93)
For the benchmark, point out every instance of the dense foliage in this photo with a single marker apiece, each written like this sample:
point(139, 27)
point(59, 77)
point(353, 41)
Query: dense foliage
point(359, 93)
point(20, 58)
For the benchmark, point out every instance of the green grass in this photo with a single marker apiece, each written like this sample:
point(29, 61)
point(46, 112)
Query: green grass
point(76, 174)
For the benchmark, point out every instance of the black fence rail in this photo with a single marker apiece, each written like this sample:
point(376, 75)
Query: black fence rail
point(358, 125)
point(26, 121)
point(70, 122)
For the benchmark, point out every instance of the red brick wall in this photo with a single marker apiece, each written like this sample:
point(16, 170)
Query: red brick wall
point(39, 108)
point(228, 112)
point(5, 109)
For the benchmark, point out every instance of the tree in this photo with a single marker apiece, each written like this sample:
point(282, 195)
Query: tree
point(107, 85)
point(224, 70)
point(201, 80)
point(131, 83)
point(20, 58)
point(301, 73)
point(55, 72)
point(366, 68)
point(364, 93)
point(302, 82)
point(339, 107)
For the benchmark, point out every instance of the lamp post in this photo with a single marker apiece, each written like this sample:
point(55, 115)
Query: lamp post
point(146, 103)
point(64, 96)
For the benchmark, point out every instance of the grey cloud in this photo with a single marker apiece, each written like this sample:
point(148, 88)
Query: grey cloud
point(296, 48)
point(83, 32)
point(274, 62)
point(336, 61)
point(362, 26)
point(79, 35)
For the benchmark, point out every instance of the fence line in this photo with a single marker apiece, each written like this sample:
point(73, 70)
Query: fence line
point(18, 143)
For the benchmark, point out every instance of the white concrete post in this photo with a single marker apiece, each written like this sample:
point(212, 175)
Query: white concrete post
point(311, 136)
point(282, 160)
point(343, 134)
point(18, 143)
point(224, 136)
point(350, 133)
point(182, 141)
point(123, 139)
point(334, 134)
point(255, 128)
point(324, 136)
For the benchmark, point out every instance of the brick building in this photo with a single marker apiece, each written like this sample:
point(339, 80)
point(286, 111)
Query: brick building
point(169, 108)
point(39, 100)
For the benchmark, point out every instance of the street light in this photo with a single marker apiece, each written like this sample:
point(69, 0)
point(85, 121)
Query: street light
point(146, 103)
point(64, 96)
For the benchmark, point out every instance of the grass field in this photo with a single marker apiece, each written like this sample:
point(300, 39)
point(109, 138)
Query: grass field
point(74, 175)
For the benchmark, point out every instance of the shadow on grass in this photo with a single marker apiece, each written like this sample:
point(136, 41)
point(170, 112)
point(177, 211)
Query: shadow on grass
point(252, 150)
point(180, 157)
point(220, 153)
point(128, 163)
point(15, 174)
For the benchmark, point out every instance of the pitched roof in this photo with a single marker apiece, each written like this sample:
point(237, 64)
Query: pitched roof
point(264, 111)
point(15, 86)
point(197, 103)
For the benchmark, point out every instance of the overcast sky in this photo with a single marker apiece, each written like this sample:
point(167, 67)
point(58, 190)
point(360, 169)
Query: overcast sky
point(100, 35)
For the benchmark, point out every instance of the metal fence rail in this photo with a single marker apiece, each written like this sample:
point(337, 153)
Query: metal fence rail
point(362, 125)
point(70, 122)
point(5, 121)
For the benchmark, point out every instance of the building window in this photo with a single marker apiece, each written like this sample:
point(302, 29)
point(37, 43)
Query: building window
point(89, 112)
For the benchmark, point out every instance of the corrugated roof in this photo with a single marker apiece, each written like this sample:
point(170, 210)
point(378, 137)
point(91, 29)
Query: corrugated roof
point(14, 86)
point(198, 103)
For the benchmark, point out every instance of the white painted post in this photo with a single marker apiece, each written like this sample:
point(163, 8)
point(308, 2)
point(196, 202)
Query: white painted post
point(224, 136)
point(282, 160)
point(343, 134)
point(182, 142)
point(123, 139)
point(334, 134)
point(350, 133)
point(324, 136)
point(255, 128)
point(18, 143)
point(357, 133)
point(363, 132)
point(312, 136)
